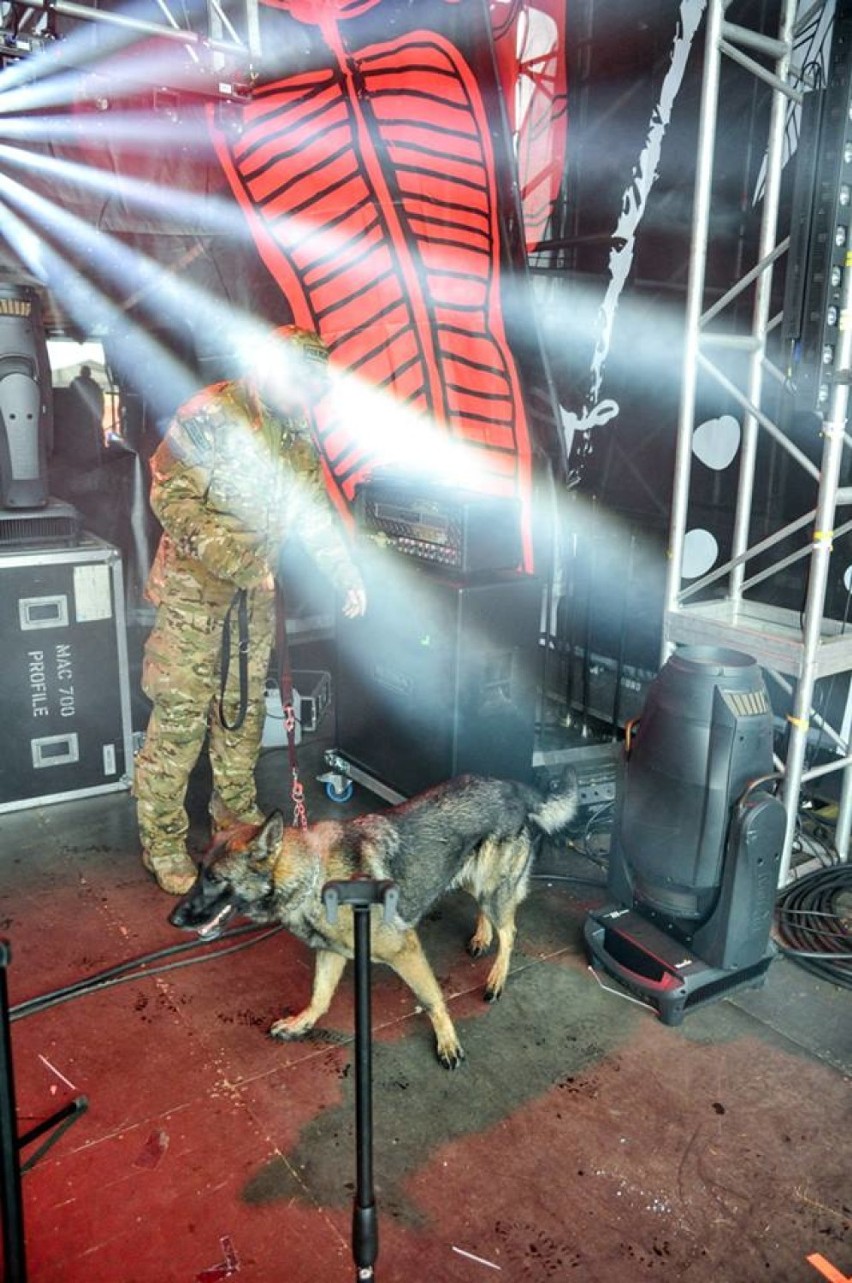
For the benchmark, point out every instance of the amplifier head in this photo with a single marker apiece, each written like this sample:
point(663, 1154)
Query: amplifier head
point(463, 531)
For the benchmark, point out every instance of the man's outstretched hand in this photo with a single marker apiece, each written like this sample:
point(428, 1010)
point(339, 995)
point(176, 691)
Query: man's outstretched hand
point(354, 603)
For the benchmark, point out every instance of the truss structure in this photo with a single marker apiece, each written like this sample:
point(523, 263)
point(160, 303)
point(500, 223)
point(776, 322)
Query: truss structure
point(796, 649)
point(225, 46)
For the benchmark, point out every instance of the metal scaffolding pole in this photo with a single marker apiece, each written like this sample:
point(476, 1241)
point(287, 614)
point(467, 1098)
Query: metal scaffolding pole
point(807, 647)
point(219, 39)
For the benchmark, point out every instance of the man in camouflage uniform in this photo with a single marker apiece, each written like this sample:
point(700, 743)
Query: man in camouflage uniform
point(235, 476)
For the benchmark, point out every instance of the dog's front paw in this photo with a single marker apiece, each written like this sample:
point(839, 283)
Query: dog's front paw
point(497, 977)
point(290, 1027)
point(450, 1054)
point(480, 942)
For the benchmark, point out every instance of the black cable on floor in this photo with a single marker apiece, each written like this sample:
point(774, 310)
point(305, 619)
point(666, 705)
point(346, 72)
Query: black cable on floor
point(568, 877)
point(140, 968)
point(813, 919)
point(579, 849)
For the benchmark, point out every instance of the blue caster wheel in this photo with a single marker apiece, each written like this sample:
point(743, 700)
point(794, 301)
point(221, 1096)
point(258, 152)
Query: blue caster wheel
point(339, 795)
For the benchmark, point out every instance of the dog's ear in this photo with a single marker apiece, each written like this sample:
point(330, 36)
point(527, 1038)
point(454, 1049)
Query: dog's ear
point(269, 839)
point(222, 816)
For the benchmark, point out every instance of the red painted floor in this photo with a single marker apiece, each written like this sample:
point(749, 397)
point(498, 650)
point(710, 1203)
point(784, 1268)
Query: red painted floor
point(581, 1139)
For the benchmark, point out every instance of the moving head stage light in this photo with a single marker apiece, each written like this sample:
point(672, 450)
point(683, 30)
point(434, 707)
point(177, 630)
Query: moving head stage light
point(26, 406)
point(697, 839)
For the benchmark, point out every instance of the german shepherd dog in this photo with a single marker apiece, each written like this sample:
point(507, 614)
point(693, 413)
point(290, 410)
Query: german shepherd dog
point(469, 832)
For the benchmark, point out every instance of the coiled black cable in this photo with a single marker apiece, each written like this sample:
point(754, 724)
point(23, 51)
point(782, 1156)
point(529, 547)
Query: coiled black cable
point(813, 920)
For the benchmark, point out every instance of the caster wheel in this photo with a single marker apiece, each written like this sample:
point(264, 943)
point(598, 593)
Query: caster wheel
point(339, 795)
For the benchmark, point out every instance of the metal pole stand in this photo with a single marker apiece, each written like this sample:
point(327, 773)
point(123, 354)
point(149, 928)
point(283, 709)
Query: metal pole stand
point(362, 893)
point(14, 1254)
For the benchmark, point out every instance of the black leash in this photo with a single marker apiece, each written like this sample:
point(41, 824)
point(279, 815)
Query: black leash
point(285, 686)
point(240, 600)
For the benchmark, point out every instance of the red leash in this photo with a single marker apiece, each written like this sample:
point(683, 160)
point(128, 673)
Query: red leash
point(285, 686)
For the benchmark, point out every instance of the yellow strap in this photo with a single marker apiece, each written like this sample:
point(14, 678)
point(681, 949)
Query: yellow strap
point(800, 723)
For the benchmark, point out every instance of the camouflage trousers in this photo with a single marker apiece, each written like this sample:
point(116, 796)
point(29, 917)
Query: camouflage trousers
point(181, 675)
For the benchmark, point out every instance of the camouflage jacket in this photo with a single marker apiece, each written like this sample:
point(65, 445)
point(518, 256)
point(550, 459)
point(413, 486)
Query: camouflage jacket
point(230, 484)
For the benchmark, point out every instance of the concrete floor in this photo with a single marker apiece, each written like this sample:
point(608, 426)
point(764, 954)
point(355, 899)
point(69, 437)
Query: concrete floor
point(581, 1139)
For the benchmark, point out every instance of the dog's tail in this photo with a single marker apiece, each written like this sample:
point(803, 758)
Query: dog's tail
point(556, 809)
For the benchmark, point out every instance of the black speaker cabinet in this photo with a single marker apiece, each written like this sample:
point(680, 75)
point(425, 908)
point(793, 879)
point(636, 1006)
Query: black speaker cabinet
point(439, 677)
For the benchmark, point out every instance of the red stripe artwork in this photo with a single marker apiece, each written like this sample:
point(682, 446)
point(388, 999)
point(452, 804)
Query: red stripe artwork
point(369, 185)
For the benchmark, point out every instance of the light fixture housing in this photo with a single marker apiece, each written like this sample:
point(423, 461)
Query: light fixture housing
point(697, 838)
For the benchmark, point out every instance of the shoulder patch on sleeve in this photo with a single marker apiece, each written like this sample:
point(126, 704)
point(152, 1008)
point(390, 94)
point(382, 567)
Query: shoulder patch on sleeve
point(199, 439)
point(194, 435)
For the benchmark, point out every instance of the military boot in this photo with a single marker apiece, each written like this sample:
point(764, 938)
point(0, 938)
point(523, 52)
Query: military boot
point(175, 872)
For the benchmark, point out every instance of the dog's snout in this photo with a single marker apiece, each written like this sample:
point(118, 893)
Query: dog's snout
point(177, 917)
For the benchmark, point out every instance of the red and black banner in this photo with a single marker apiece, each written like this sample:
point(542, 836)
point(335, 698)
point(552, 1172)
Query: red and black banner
point(377, 176)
